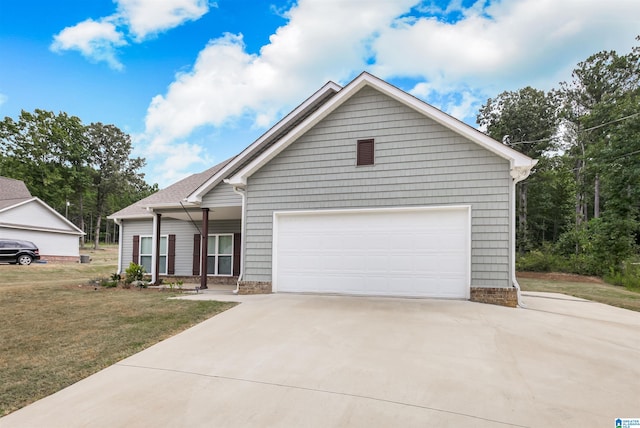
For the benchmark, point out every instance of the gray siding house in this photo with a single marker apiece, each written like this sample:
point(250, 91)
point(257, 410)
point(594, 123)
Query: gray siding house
point(362, 189)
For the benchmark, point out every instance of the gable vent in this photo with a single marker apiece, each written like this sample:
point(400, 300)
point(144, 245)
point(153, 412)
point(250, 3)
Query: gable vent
point(365, 152)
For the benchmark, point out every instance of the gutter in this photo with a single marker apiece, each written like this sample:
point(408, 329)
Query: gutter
point(243, 195)
point(518, 173)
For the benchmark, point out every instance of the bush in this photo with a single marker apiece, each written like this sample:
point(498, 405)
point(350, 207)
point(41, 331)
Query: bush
point(535, 261)
point(627, 275)
point(602, 244)
point(102, 282)
point(134, 272)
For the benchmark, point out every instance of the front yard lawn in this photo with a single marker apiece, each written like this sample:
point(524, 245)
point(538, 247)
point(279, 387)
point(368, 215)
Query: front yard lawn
point(55, 333)
point(584, 287)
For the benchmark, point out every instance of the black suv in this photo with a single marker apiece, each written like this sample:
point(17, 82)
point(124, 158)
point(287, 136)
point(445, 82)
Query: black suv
point(15, 251)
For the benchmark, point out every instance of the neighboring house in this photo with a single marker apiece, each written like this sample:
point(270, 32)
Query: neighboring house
point(362, 189)
point(28, 218)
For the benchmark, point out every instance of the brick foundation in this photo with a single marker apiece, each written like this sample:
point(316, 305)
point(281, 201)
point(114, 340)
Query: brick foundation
point(254, 287)
point(495, 296)
point(60, 259)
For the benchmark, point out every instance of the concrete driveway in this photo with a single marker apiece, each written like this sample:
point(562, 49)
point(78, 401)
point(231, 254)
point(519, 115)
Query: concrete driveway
point(327, 361)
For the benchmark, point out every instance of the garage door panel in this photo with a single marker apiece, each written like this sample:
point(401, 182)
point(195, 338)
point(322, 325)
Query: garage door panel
point(421, 252)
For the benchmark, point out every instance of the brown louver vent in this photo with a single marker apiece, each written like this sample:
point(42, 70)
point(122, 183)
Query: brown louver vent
point(365, 152)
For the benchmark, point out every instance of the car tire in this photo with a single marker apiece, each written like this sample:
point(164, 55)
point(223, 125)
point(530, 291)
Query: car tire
point(25, 259)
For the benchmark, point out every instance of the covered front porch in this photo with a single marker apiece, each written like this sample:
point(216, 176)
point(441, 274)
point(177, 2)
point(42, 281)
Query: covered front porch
point(209, 237)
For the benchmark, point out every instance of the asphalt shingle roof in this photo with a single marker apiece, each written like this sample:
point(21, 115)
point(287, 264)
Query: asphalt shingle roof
point(12, 192)
point(172, 194)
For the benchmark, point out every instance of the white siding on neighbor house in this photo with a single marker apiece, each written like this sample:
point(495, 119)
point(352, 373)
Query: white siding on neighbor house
point(35, 215)
point(184, 231)
point(417, 163)
point(222, 196)
point(49, 243)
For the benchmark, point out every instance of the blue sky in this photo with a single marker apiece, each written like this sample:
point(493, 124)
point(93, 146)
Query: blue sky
point(195, 81)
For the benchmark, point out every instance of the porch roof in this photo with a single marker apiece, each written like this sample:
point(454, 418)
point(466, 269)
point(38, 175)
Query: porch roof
point(169, 198)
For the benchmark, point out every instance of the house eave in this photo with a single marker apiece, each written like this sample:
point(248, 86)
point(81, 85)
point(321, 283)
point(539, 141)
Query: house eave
point(196, 195)
point(41, 229)
point(515, 158)
point(142, 216)
point(171, 206)
point(48, 208)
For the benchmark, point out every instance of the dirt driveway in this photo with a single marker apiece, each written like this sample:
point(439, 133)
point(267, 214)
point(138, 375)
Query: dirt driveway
point(327, 361)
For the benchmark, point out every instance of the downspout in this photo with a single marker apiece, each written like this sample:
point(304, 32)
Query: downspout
point(243, 195)
point(517, 174)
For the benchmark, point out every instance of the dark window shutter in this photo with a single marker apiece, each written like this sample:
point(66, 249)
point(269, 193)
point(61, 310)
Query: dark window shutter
point(171, 255)
point(365, 152)
point(136, 249)
point(237, 248)
point(196, 254)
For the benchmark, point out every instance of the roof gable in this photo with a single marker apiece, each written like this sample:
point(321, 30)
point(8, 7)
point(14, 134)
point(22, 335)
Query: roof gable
point(35, 214)
point(520, 164)
point(274, 134)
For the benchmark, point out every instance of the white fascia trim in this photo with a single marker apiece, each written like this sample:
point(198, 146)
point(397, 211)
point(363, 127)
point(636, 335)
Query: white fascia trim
point(518, 159)
point(54, 212)
point(515, 158)
point(40, 229)
point(196, 195)
point(26, 201)
point(159, 206)
point(144, 216)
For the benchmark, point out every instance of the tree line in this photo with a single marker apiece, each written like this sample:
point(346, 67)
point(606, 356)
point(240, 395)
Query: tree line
point(83, 171)
point(579, 209)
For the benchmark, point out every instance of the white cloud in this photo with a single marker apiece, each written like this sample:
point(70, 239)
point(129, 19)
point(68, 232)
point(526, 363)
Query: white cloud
point(170, 163)
point(505, 44)
point(134, 20)
point(460, 101)
point(322, 41)
point(3, 99)
point(96, 40)
point(488, 48)
point(148, 17)
point(177, 162)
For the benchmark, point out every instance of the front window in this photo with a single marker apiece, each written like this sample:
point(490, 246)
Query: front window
point(220, 255)
point(146, 251)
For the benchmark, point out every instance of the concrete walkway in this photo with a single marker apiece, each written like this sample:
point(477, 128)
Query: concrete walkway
point(327, 361)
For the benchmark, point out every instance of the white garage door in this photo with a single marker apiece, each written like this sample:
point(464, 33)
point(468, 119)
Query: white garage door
point(385, 252)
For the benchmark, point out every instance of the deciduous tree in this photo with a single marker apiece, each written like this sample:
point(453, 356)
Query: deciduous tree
point(526, 121)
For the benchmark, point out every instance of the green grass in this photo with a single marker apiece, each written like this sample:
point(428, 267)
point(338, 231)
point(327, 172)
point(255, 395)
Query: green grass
point(56, 332)
point(103, 264)
point(585, 288)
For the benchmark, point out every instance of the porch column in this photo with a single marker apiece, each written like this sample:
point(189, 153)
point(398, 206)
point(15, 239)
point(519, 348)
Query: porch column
point(155, 268)
point(205, 248)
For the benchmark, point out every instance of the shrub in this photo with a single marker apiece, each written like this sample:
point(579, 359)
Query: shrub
point(102, 282)
point(627, 275)
point(134, 272)
point(602, 244)
point(535, 261)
